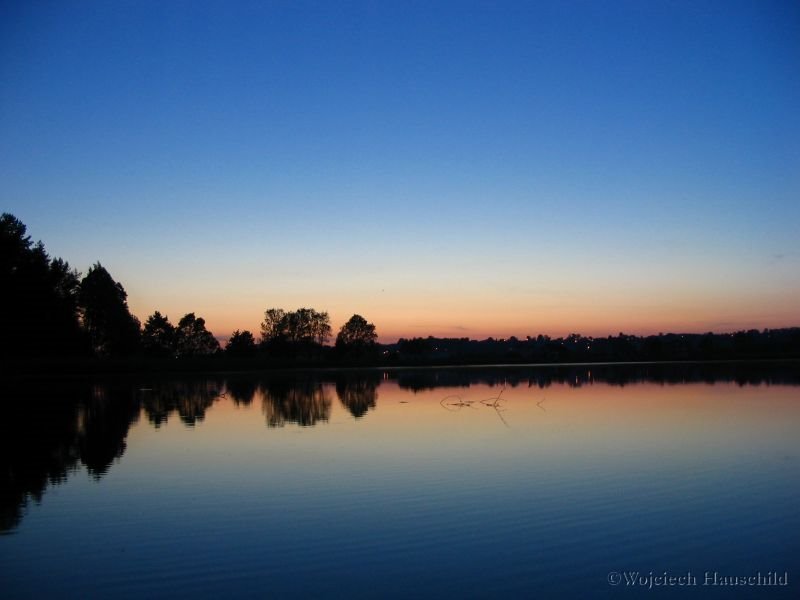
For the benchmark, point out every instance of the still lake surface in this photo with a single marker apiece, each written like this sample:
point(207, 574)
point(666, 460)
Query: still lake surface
point(463, 482)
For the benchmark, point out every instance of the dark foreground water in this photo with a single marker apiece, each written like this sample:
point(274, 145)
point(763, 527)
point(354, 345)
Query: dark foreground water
point(519, 482)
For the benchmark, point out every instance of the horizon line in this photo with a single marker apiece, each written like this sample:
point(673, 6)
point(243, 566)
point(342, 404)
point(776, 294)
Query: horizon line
point(526, 338)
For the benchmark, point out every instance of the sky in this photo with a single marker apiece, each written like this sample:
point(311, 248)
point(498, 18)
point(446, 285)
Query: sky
point(464, 169)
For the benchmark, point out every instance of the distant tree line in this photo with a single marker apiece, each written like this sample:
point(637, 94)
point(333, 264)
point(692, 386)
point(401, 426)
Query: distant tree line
point(48, 309)
point(750, 344)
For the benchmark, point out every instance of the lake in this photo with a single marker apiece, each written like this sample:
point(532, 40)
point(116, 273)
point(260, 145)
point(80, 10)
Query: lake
point(584, 481)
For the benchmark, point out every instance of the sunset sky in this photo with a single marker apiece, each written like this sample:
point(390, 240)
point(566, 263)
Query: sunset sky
point(459, 169)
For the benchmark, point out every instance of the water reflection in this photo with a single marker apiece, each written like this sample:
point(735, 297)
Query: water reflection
point(188, 399)
point(39, 444)
point(103, 423)
point(241, 390)
point(787, 373)
point(358, 393)
point(51, 430)
point(302, 401)
point(48, 431)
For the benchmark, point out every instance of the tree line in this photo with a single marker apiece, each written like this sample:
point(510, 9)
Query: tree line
point(781, 343)
point(48, 308)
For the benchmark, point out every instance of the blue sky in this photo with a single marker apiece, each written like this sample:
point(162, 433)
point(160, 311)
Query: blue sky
point(482, 168)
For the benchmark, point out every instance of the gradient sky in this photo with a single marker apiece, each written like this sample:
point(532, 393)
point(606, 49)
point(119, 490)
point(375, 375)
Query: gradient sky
point(465, 169)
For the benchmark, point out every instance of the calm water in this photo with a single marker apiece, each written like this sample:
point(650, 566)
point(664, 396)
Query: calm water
point(459, 483)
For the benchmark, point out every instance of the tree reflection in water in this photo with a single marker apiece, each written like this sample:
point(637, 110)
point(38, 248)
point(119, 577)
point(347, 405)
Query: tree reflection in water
point(302, 401)
point(190, 399)
point(49, 430)
point(241, 390)
point(358, 392)
point(103, 424)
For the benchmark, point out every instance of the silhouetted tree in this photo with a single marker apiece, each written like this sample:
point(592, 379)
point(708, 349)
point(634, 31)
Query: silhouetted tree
point(39, 299)
point(241, 343)
point(415, 346)
point(272, 328)
point(193, 339)
point(356, 336)
point(112, 329)
point(62, 321)
point(159, 336)
point(305, 326)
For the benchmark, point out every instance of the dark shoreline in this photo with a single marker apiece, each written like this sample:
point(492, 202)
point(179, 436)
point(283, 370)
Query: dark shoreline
point(83, 368)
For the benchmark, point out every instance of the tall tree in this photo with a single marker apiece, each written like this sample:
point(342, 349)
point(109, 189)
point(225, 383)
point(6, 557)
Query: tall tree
point(62, 320)
point(112, 329)
point(193, 339)
point(302, 326)
point(241, 343)
point(158, 336)
point(356, 335)
point(321, 326)
point(272, 327)
point(39, 299)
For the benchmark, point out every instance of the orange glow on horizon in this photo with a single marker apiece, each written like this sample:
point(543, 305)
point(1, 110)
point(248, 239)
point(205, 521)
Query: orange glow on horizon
point(487, 314)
